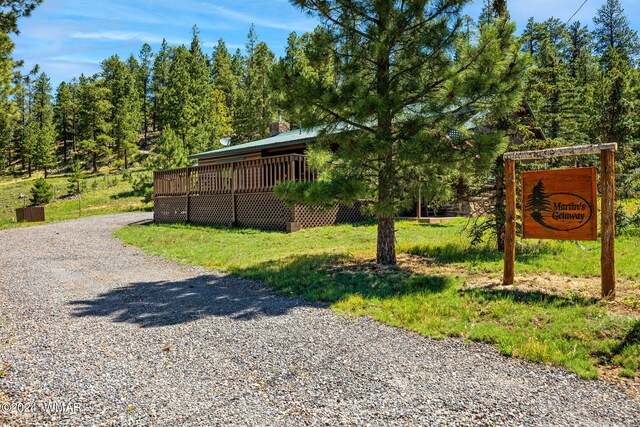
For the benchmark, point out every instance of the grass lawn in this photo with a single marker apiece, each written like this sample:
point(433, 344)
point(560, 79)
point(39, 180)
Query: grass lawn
point(430, 292)
point(103, 195)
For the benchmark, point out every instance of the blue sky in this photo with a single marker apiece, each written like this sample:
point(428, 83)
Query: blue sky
point(70, 37)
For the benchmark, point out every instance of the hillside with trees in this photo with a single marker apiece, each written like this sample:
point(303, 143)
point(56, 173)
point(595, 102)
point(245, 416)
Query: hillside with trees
point(153, 108)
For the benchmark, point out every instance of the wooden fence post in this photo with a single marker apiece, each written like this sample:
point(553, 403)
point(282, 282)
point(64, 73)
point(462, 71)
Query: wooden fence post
point(607, 257)
point(188, 174)
point(510, 230)
point(233, 194)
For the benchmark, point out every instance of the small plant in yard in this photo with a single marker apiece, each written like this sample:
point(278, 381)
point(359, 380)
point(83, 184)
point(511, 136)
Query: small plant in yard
point(41, 192)
point(626, 373)
point(75, 180)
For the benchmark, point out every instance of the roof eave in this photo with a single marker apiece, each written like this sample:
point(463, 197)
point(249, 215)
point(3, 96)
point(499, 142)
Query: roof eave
point(240, 149)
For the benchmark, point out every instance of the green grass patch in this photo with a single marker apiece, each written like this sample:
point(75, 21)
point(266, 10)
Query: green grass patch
point(333, 264)
point(104, 194)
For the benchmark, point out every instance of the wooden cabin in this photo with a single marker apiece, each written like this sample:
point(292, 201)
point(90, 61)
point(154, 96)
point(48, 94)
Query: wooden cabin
point(233, 186)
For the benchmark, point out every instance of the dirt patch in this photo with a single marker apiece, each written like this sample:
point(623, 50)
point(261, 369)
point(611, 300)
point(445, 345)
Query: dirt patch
point(627, 299)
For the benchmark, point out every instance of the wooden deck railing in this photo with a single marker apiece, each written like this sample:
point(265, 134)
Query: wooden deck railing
point(247, 176)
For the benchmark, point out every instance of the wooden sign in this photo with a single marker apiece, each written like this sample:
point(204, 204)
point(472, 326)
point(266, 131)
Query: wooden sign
point(560, 204)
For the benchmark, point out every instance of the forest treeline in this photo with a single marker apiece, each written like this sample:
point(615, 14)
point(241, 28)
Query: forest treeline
point(582, 86)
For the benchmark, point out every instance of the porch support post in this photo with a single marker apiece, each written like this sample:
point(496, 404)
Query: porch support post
point(234, 179)
point(188, 176)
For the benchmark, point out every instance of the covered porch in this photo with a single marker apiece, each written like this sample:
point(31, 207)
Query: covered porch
point(240, 193)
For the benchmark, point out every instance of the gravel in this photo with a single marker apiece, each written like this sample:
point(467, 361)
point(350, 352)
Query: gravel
point(98, 333)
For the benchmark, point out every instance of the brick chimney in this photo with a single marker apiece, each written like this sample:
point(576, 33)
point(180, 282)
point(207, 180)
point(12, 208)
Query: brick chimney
point(276, 128)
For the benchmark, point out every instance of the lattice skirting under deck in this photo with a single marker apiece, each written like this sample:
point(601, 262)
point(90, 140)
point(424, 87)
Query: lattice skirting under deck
point(211, 210)
point(255, 210)
point(167, 210)
point(309, 217)
point(262, 210)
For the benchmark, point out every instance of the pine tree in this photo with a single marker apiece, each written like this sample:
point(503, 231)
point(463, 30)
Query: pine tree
point(493, 9)
point(160, 77)
point(145, 59)
point(42, 129)
point(612, 106)
point(176, 107)
point(258, 103)
point(224, 78)
point(580, 46)
point(613, 31)
point(26, 135)
point(41, 192)
point(210, 116)
point(94, 120)
point(407, 77)
point(65, 116)
point(126, 114)
point(9, 113)
point(12, 10)
point(294, 63)
point(170, 152)
point(75, 180)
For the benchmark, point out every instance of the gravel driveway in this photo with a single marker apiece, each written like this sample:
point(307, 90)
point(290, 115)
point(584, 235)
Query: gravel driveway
point(97, 333)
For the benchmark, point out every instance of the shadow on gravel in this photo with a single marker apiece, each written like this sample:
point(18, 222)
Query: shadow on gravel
point(153, 304)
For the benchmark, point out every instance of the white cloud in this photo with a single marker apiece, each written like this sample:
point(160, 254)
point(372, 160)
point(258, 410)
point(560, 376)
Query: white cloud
point(125, 36)
point(215, 11)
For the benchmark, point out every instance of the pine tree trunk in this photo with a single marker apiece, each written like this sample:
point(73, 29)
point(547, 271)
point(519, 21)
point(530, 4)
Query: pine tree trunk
point(29, 168)
point(386, 251)
point(65, 151)
point(95, 163)
point(155, 114)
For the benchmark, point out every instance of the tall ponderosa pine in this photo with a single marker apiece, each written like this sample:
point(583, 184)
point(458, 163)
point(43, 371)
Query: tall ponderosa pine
point(548, 78)
point(211, 120)
point(159, 80)
point(613, 31)
point(295, 63)
point(225, 78)
point(258, 103)
point(613, 96)
point(12, 10)
point(40, 128)
point(125, 118)
point(66, 116)
point(408, 79)
point(176, 106)
point(143, 81)
point(9, 113)
point(94, 120)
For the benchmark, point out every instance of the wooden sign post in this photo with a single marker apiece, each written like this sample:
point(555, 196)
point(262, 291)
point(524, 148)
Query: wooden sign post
point(562, 204)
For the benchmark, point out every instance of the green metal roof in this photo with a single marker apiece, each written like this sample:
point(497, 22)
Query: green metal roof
point(282, 140)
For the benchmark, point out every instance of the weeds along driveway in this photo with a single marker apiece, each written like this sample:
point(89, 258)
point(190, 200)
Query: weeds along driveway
point(97, 333)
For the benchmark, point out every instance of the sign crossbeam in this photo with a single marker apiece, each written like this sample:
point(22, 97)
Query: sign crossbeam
point(539, 207)
point(578, 150)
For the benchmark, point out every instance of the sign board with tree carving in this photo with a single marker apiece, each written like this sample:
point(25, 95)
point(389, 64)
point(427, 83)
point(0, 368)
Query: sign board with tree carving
point(560, 204)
